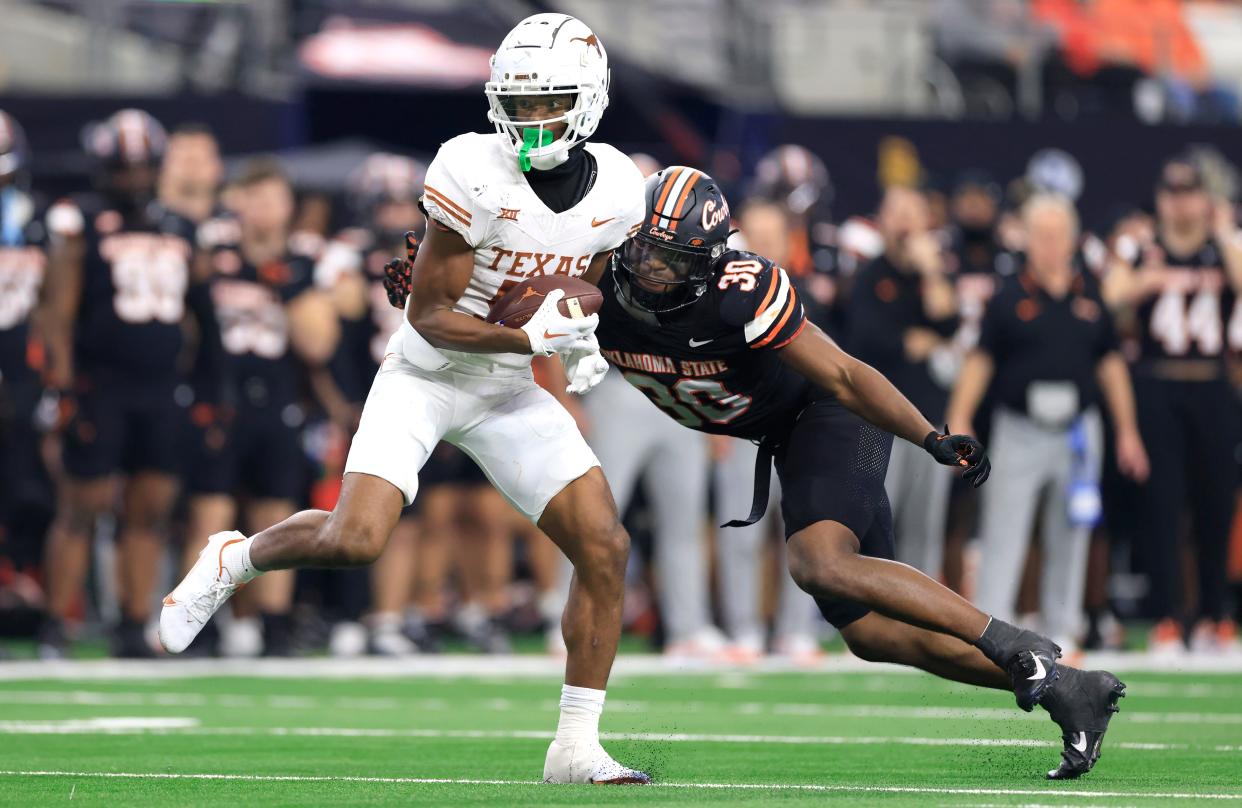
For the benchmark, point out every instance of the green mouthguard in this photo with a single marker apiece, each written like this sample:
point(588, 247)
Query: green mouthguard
point(529, 136)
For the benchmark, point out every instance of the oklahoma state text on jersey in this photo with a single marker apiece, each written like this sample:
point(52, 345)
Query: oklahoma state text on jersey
point(711, 366)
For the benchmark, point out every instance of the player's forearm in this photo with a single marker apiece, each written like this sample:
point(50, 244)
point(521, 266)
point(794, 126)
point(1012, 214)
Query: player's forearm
point(1114, 381)
point(972, 383)
point(866, 392)
point(445, 328)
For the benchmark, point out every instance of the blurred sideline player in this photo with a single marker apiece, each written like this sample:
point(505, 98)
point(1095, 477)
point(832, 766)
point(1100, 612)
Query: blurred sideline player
point(119, 272)
point(527, 200)
point(273, 321)
point(25, 494)
point(1183, 289)
point(765, 227)
point(721, 343)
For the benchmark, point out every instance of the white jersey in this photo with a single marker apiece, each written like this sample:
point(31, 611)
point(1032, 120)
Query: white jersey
point(475, 188)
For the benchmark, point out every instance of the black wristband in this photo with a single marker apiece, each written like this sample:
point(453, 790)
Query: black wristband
point(930, 441)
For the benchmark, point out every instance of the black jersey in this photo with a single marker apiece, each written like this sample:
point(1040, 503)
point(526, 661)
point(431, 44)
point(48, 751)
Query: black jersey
point(136, 273)
point(711, 365)
point(259, 366)
point(1190, 315)
point(23, 262)
point(364, 338)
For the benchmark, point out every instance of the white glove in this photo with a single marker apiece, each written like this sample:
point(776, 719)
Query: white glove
point(584, 368)
point(551, 332)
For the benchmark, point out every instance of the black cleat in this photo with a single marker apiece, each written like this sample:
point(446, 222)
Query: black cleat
point(1082, 703)
point(1033, 669)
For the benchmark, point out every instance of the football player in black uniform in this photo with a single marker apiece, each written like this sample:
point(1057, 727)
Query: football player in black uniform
point(118, 277)
point(718, 340)
point(25, 498)
point(273, 322)
point(1183, 289)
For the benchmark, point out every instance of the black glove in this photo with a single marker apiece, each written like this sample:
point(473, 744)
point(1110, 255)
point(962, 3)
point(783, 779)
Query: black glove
point(959, 450)
point(399, 273)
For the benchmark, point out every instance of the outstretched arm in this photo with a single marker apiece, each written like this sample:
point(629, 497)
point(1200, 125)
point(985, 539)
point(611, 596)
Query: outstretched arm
point(864, 390)
point(857, 385)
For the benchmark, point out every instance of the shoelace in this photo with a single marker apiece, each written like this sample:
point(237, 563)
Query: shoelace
point(205, 605)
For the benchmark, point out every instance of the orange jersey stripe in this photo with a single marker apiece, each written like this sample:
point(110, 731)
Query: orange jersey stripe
point(776, 276)
point(681, 200)
point(789, 310)
point(443, 199)
point(785, 342)
point(445, 206)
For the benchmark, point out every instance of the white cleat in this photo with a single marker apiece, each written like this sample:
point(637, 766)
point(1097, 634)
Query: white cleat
point(200, 594)
point(587, 762)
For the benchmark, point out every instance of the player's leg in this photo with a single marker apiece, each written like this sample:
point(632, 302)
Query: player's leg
point(877, 638)
point(484, 556)
point(406, 413)
point(1065, 544)
point(392, 581)
point(92, 444)
point(832, 467)
point(148, 502)
point(1023, 455)
point(521, 427)
point(677, 489)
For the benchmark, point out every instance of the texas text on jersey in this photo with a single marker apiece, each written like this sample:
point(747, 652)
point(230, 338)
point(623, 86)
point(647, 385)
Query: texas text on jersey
point(1194, 314)
point(475, 188)
point(711, 365)
point(135, 277)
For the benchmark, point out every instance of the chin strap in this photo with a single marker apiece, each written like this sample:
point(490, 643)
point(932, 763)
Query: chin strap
point(529, 136)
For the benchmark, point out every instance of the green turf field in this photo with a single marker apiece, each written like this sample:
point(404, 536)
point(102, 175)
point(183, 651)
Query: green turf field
point(881, 738)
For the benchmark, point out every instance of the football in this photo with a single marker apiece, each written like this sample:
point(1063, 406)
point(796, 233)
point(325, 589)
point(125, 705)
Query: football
point(522, 301)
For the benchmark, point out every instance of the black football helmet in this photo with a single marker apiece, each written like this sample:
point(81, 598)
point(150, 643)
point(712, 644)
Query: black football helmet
point(128, 137)
point(667, 264)
point(14, 156)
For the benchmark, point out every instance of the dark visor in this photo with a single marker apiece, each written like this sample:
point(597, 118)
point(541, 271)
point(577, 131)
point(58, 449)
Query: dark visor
point(662, 263)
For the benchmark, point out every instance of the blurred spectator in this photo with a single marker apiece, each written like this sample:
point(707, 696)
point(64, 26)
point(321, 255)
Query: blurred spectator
point(1048, 349)
point(273, 322)
point(1182, 289)
point(795, 181)
point(25, 495)
point(903, 314)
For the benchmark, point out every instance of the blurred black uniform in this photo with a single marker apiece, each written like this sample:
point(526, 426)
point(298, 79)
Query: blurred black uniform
point(1190, 427)
point(128, 337)
point(249, 439)
point(25, 497)
point(712, 367)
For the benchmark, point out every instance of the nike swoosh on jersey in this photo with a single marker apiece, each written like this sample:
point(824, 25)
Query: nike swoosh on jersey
point(550, 335)
point(1080, 742)
point(698, 343)
point(600, 223)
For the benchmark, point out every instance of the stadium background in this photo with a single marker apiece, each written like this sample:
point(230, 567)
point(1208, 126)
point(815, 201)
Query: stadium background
point(1087, 99)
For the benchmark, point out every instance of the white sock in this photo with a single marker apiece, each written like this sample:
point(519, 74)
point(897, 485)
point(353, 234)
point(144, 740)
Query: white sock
point(580, 711)
point(236, 559)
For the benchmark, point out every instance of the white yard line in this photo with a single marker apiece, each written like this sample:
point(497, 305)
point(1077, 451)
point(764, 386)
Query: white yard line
point(848, 789)
point(190, 726)
point(524, 665)
point(105, 698)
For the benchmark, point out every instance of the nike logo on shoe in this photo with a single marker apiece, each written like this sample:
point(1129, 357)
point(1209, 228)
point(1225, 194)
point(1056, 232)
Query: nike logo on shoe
point(601, 222)
point(1080, 742)
point(1040, 673)
point(698, 343)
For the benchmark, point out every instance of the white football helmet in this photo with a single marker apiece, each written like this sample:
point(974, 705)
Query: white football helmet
point(548, 54)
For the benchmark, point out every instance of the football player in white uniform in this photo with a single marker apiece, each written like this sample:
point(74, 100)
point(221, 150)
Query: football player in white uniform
point(531, 199)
